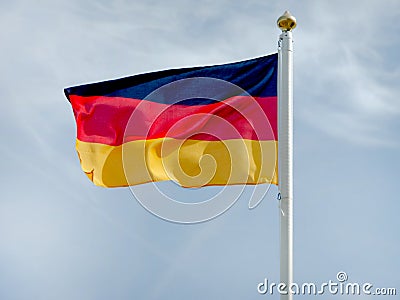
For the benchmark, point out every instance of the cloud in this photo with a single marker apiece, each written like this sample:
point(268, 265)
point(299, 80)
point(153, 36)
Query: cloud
point(347, 86)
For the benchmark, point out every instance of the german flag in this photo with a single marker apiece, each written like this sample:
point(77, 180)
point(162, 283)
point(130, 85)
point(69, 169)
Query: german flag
point(200, 126)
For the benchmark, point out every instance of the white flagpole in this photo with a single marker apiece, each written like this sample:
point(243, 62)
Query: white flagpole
point(285, 149)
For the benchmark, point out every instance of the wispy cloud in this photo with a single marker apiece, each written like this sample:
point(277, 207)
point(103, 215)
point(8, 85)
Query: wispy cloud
point(347, 86)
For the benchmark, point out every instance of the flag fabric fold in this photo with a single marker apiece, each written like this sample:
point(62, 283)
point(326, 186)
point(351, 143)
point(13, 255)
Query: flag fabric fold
point(201, 126)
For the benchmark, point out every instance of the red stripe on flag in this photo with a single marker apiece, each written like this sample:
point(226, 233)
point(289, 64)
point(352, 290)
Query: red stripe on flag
point(115, 120)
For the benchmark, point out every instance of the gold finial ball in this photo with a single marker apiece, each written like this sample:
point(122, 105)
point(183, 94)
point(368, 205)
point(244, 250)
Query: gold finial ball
point(286, 22)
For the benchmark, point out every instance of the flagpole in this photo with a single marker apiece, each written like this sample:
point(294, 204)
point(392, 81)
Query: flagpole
point(285, 149)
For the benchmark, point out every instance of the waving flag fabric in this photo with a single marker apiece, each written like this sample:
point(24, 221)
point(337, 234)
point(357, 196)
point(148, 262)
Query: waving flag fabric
point(213, 125)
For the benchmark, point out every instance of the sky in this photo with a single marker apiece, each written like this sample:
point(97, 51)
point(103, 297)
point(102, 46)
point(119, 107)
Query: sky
point(61, 237)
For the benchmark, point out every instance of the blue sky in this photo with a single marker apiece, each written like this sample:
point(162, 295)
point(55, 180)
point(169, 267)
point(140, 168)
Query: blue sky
point(63, 238)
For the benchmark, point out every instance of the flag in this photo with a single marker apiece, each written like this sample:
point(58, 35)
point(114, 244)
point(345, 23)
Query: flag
point(199, 126)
